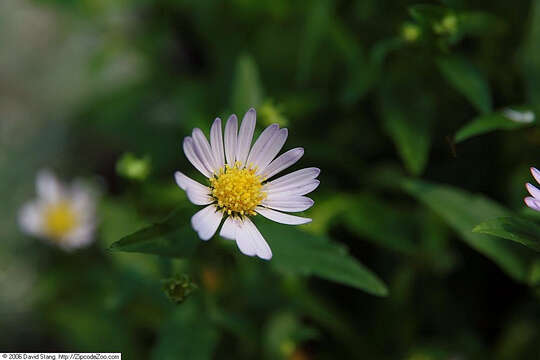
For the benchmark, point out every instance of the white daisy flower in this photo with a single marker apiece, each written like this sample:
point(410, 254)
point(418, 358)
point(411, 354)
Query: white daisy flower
point(239, 185)
point(533, 201)
point(64, 216)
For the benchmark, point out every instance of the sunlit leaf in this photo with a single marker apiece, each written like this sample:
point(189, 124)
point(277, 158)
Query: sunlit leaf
point(299, 252)
point(173, 237)
point(466, 79)
point(463, 211)
point(512, 228)
point(490, 122)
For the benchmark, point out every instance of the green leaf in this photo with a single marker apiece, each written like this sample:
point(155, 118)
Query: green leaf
point(188, 334)
point(490, 122)
point(318, 22)
point(247, 90)
point(531, 56)
point(462, 211)
point(466, 79)
point(299, 252)
point(172, 237)
point(409, 129)
point(376, 221)
point(516, 229)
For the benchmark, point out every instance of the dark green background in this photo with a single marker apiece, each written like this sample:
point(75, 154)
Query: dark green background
point(84, 82)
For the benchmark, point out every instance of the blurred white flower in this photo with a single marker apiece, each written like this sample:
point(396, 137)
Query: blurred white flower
point(519, 116)
point(238, 176)
point(64, 216)
point(533, 201)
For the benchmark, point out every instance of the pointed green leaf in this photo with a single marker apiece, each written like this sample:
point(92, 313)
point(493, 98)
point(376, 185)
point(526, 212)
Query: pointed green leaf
point(299, 252)
point(172, 237)
point(512, 228)
point(462, 211)
point(409, 129)
point(495, 121)
point(466, 79)
point(247, 90)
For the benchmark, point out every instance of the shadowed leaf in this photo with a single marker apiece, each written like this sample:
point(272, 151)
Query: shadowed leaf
point(486, 123)
point(172, 237)
point(466, 79)
point(299, 252)
point(462, 211)
point(512, 228)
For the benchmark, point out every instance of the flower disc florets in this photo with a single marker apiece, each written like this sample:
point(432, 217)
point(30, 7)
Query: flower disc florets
point(237, 189)
point(59, 219)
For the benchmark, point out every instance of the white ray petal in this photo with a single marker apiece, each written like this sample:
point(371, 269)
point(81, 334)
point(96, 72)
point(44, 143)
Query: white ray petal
point(185, 181)
point(282, 162)
point(245, 135)
point(291, 204)
point(293, 190)
point(83, 200)
point(532, 203)
point(193, 158)
point(31, 218)
point(228, 230)
point(48, 187)
point(80, 237)
point(262, 249)
point(281, 217)
point(536, 173)
point(297, 177)
point(271, 149)
point(202, 148)
point(216, 143)
point(231, 139)
point(244, 240)
point(206, 221)
point(533, 190)
point(198, 197)
point(258, 147)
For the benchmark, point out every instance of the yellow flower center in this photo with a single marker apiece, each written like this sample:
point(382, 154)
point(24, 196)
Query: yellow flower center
point(59, 219)
point(237, 189)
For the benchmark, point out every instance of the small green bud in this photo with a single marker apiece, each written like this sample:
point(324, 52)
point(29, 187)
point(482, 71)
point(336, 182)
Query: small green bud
point(271, 114)
point(178, 288)
point(448, 25)
point(411, 32)
point(131, 167)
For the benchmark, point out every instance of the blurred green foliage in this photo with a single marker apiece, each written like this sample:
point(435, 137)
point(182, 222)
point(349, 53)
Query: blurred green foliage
point(382, 96)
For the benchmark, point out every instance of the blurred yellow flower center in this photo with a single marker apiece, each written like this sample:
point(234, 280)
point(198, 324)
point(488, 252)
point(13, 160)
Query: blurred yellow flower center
point(59, 219)
point(237, 190)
